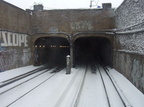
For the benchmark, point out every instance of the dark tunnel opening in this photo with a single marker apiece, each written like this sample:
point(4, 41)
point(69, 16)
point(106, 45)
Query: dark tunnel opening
point(51, 51)
point(91, 50)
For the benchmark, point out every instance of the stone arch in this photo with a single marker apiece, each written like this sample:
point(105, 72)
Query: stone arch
point(107, 45)
point(36, 37)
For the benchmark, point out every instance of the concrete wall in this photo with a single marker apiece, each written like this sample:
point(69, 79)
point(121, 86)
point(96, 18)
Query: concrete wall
point(129, 41)
point(15, 29)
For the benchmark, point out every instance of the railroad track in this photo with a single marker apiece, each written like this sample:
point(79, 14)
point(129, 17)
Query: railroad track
point(72, 97)
point(23, 84)
point(11, 86)
point(120, 98)
point(14, 79)
point(88, 86)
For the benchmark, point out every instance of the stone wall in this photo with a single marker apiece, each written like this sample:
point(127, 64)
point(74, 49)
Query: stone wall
point(130, 13)
point(15, 30)
point(131, 65)
point(14, 19)
point(129, 41)
point(72, 20)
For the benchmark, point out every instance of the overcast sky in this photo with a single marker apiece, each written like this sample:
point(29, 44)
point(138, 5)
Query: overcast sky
point(62, 4)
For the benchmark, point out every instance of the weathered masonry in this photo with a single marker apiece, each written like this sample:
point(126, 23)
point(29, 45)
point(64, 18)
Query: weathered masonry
point(46, 36)
point(129, 41)
point(15, 30)
point(70, 28)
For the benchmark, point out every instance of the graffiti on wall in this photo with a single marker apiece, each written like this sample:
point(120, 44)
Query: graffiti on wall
point(7, 59)
point(81, 25)
point(26, 55)
point(13, 39)
point(14, 50)
point(137, 73)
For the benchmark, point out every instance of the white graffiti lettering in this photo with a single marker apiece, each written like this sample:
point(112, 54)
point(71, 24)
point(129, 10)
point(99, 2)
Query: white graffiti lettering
point(13, 39)
point(9, 39)
point(4, 39)
point(81, 25)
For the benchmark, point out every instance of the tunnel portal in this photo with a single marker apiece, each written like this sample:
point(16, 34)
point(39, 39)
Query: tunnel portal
point(91, 50)
point(51, 51)
point(86, 50)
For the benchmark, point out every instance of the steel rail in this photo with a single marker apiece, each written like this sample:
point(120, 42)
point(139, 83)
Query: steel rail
point(108, 100)
point(32, 89)
point(81, 87)
point(117, 88)
point(75, 97)
point(24, 82)
point(14, 79)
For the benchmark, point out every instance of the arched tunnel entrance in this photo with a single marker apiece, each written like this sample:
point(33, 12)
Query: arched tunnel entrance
point(92, 50)
point(51, 51)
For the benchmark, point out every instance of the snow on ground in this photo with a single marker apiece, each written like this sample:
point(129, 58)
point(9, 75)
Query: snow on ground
point(93, 93)
point(134, 96)
point(15, 72)
point(56, 90)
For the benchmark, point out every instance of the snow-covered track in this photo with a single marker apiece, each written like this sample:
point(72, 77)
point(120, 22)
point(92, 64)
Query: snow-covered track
point(123, 98)
point(112, 90)
point(71, 94)
point(14, 79)
point(104, 85)
point(84, 87)
point(24, 92)
point(18, 83)
point(75, 90)
point(30, 90)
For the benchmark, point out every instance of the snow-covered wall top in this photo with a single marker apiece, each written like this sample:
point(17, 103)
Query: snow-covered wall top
point(130, 13)
point(131, 43)
point(130, 18)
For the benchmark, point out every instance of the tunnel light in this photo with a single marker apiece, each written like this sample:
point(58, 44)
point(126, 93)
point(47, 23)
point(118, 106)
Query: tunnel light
point(53, 46)
point(40, 46)
point(43, 46)
point(63, 46)
point(36, 46)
